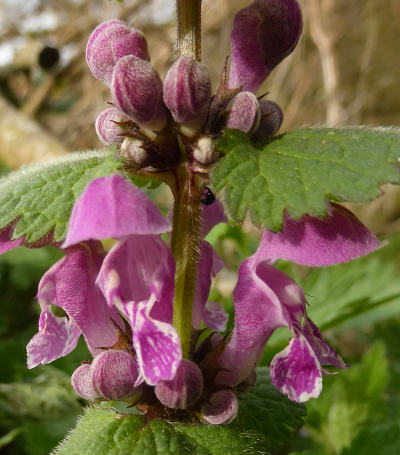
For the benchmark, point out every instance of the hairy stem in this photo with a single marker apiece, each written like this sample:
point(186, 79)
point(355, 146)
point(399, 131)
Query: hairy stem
point(189, 28)
point(185, 245)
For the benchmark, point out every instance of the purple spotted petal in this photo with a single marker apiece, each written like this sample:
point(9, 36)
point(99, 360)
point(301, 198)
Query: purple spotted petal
point(325, 353)
point(296, 372)
point(156, 343)
point(113, 207)
point(208, 266)
point(340, 237)
point(70, 285)
point(215, 317)
point(137, 267)
point(263, 34)
point(57, 337)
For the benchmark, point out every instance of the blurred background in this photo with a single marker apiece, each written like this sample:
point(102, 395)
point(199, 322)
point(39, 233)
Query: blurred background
point(344, 71)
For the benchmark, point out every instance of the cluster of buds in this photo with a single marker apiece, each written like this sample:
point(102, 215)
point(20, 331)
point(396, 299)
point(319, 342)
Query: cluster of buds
point(114, 375)
point(150, 118)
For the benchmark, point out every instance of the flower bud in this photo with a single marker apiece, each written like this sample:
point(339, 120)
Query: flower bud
point(243, 113)
point(133, 151)
point(203, 150)
point(109, 42)
point(221, 407)
point(114, 374)
point(81, 381)
point(108, 131)
point(271, 120)
point(136, 89)
point(187, 92)
point(263, 34)
point(184, 390)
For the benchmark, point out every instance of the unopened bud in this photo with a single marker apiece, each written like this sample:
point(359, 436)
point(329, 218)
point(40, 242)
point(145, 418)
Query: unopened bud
point(271, 120)
point(187, 92)
point(107, 128)
point(243, 113)
point(81, 381)
point(109, 42)
point(137, 90)
point(184, 390)
point(203, 150)
point(132, 150)
point(221, 407)
point(114, 374)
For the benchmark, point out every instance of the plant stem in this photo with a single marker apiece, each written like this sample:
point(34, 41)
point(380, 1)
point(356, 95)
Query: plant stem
point(189, 28)
point(185, 245)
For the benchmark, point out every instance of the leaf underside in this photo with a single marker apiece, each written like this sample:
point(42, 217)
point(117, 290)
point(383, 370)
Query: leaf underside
point(301, 170)
point(40, 197)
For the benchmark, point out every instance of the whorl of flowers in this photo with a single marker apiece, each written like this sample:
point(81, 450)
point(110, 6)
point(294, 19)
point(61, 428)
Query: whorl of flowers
point(122, 301)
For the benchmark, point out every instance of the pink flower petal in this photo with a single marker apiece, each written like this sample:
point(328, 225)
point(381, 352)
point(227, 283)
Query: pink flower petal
point(263, 34)
point(208, 266)
point(57, 337)
point(215, 317)
point(296, 372)
point(70, 285)
point(211, 215)
point(113, 207)
point(340, 237)
point(6, 242)
point(326, 354)
point(258, 312)
point(137, 267)
point(156, 343)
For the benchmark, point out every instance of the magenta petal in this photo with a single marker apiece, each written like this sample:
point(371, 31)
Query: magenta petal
point(263, 34)
point(325, 353)
point(57, 337)
point(215, 317)
point(258, 312)
point(296, 372)
point(137, 267)
point(70, 285)
point(211, 215)
point(156, 343)
point(6, 242)
point(208, 266)
point(113, 207)
point(340, 237)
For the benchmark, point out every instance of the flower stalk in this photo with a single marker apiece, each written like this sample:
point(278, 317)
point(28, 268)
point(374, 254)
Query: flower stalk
point(185, 246)
point(188, 41)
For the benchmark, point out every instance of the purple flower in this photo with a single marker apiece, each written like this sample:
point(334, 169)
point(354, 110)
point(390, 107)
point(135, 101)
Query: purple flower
point(134, 279)
point(265, 298)
point(263, 34)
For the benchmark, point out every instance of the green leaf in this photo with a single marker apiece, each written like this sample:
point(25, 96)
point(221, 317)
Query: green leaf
point(41, 196)
point(350, 402)
point(102, 431)
point(267, 411)
point(9, 437)
point(382, 439)
point(298, 171)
